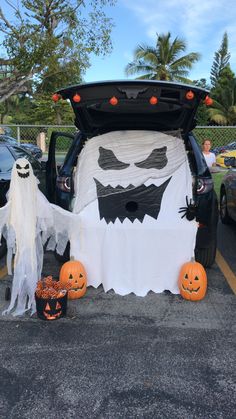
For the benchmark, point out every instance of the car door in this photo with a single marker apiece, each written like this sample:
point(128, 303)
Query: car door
point(6, 162)
point(60, 143)
point(231, 193)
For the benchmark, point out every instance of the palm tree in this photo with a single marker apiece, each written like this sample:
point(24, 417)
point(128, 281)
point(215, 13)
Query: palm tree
point(223, 110)
point(164, 61)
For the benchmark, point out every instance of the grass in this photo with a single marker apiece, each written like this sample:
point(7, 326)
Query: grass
point(217, 178)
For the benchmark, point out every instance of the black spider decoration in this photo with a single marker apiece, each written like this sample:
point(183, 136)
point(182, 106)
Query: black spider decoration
point(190, 211)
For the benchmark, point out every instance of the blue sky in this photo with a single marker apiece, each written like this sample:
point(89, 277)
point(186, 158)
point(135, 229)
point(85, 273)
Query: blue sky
point(201, 23)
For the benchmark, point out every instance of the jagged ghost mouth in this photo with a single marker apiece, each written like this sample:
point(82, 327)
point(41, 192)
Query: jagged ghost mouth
point(130, 202)
point(24, 175)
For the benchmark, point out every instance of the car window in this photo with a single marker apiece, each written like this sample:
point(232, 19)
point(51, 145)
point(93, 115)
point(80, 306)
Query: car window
point(9, 140)
point(7, 160)
point(20, 153)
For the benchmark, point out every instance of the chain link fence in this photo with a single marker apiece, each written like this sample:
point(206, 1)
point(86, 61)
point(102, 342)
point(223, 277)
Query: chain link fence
point(40, 134)
point(36, 134)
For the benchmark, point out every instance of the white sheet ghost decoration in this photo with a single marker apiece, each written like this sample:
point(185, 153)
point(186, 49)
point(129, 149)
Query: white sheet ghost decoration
point(28, 220)
point(129, 188)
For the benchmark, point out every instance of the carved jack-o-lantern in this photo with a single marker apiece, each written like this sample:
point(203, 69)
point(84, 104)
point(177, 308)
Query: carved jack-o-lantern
point(51, 308)
point(192, 281)
point(73, 272)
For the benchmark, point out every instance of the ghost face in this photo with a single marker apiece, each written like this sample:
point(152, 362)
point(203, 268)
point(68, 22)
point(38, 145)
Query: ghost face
point(130, 202)
point(127, 173)
point(23, 169)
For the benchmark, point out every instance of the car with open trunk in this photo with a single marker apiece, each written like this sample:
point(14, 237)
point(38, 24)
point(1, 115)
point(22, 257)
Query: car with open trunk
point(129, 105)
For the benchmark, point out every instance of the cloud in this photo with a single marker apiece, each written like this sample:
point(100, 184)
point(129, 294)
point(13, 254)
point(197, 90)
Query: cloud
point(202, 24)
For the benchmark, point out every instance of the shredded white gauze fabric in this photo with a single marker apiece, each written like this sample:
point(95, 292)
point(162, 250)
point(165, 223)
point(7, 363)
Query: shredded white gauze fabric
point(29, 220)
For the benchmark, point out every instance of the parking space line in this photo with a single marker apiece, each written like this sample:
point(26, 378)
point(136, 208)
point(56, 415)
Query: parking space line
point(3, 272)
point(226, 270)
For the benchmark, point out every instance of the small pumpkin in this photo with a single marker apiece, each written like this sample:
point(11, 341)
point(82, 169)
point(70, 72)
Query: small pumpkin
point(51, 308)
point(189, 95)
point(73, 272)
point(192, 281)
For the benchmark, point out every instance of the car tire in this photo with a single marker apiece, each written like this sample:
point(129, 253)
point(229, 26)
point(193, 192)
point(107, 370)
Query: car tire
point(3, 247)
point(224, 215)
point(66, 255)
point(206, 256)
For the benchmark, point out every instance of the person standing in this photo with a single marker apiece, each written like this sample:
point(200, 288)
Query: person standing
point(209, 156)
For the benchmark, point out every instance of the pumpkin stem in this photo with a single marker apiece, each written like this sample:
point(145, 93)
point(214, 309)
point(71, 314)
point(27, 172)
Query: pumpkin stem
point(193, 259)
point(72, 258)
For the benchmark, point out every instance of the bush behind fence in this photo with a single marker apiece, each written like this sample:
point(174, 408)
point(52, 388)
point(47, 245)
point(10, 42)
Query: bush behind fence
point(220, 135)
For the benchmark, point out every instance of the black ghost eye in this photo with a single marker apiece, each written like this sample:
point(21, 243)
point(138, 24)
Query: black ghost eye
point(27, 166)
point(18, 166)
point(156, 160)
point(196, 278)
point(108, 161)
point(186, 276)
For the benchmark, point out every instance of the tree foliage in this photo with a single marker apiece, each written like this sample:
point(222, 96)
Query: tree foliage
point(164, 61)
point(221, 61)
point(51, 37)
point(223, 110)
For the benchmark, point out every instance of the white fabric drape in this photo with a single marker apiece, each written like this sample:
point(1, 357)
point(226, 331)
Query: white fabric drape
point(134, 256)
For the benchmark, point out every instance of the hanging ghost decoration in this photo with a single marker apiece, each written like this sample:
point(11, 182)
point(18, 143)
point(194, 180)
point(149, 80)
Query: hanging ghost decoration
point(129, 188)
point(28, 221)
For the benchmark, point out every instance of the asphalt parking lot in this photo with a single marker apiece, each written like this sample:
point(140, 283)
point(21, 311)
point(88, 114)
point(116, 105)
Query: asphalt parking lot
point(122, 356)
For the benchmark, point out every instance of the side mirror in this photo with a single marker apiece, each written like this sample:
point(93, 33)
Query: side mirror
point(230, 161)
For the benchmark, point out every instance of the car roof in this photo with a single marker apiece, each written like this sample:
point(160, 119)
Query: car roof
point(138, 104)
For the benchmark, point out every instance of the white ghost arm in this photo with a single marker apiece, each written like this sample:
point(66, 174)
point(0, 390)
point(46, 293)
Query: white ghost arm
point(65, 225)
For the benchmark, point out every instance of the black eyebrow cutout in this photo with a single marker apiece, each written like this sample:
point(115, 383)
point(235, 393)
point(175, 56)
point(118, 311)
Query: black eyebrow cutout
point(108, 161)
point(156, 160)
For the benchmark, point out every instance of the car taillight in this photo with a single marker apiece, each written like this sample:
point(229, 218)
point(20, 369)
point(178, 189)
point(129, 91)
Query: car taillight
point(204, 185)
point(64, 183)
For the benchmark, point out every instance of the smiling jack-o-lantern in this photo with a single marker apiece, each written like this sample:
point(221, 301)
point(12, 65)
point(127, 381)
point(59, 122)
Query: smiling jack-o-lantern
point(192, 281)
point(51, 308)
point(73, 272)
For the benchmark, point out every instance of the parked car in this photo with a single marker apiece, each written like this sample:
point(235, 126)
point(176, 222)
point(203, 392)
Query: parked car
point(222, 158)
point(9, 153)
point(130, 105)
point(224, 148)
point(31, 148)
point(228, 193)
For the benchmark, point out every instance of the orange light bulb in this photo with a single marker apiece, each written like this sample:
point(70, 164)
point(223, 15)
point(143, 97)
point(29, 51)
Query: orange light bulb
point(208, 101)
point(113, 101)
point(56, 97)
point(76, 98)
point(153, 100)
point(189, 95)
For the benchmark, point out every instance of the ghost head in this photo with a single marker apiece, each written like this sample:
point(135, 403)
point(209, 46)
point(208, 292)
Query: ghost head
point(128, 173)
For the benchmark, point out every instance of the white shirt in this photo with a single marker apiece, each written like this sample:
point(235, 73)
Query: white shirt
point(210, 159)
